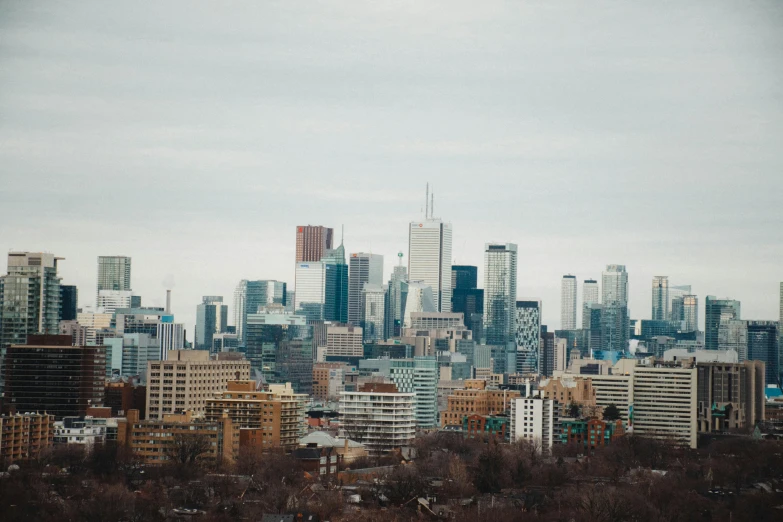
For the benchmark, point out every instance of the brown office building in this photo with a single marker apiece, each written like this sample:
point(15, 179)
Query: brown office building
point(124, 396)
point(49, 375)
point(261, 419)
point(730, 395)
point(312, 242)
point(24, 436)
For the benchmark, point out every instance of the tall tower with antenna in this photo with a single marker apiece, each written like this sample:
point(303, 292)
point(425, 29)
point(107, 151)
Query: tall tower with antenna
point(429, 254)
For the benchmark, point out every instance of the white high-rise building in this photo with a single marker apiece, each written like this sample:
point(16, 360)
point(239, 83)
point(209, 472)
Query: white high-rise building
point(429, 258)
point(171, 336)
point(381, 420)
point(665, 404)
point(568, 303)
point(310, 290)
point(590, 295)
point(500, 292)
point(661, 306)
point(110, 300)
point(362, 268)
point(535, 420)
point(615, 285)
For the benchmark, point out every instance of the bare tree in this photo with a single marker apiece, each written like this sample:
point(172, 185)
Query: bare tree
point(188, 448)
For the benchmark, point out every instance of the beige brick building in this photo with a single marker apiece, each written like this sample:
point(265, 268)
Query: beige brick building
point(344, 340)
point(475, 399)
point(24, 436)
point(262, 419)
point(188, 378)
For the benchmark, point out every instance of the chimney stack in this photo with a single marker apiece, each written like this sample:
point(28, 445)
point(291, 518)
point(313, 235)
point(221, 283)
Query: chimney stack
point(168, 301)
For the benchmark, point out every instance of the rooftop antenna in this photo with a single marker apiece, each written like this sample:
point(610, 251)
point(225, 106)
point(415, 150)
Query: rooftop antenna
point(427, 202)
point(432, 205)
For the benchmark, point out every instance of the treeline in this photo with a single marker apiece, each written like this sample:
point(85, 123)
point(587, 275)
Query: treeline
point(634, 479)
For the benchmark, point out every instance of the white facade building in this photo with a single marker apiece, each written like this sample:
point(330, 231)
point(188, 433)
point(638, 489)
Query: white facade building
point(568, 303)
point(310, 290)
point(535, 420)
point(381, 421)
point(665, 404)
point(171, 336)
point(429, 258)
point(110, 300)
point(93, 322)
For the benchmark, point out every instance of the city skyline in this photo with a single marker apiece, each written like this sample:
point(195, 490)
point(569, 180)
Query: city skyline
point(201, 155)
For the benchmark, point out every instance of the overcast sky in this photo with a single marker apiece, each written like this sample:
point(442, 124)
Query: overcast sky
point(195, 136)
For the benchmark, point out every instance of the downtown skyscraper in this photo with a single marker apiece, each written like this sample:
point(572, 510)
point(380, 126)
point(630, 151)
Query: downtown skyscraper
point(615, 322)
point(249, 296)
point(568, 302)
point(500, 292)
point(717, 311)
point(211, 319)
point(590, 295)
point(362, 268)
point(429, 258)
point(312, 242)
point(660, 298)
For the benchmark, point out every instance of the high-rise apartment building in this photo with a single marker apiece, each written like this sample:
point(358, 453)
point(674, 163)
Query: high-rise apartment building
point(664, 404)
point(591, 324)
point(273, 420)
point(95, 322)
point(500, 292)
point(429, 258)
point(211, 319)
point(250, 295)
point(378, 416)
point(568, 303)
point(660, 298)
point(114, 273)
point(763, 345)
point(335, 285)
point(528, 335)
point(362, 268)
point(535, 420)
point(715, 311)
point(677, 292)
point(590, 295)
point(279, 345)
point(615, 285)
point(29, 300)
point(615, 323)
point(312, 242)
point(50, 375)
point(418, 376)
point(690, 313)
point(187, 379)
point(373, 298)
point(108, 301)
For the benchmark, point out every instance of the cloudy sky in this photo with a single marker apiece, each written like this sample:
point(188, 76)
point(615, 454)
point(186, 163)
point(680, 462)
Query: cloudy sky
point(195, 136)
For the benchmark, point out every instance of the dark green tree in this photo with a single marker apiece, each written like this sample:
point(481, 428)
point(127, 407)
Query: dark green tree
point(611, 413)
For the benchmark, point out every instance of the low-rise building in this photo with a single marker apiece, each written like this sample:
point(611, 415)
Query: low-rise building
point(476, 399)
point(178, 436)
point(571, 391)
point(486, 426)
point(86, 431)
point(590, 433)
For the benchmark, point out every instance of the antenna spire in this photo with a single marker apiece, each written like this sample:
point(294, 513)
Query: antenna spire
point(427, 202)
point(432, 205)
